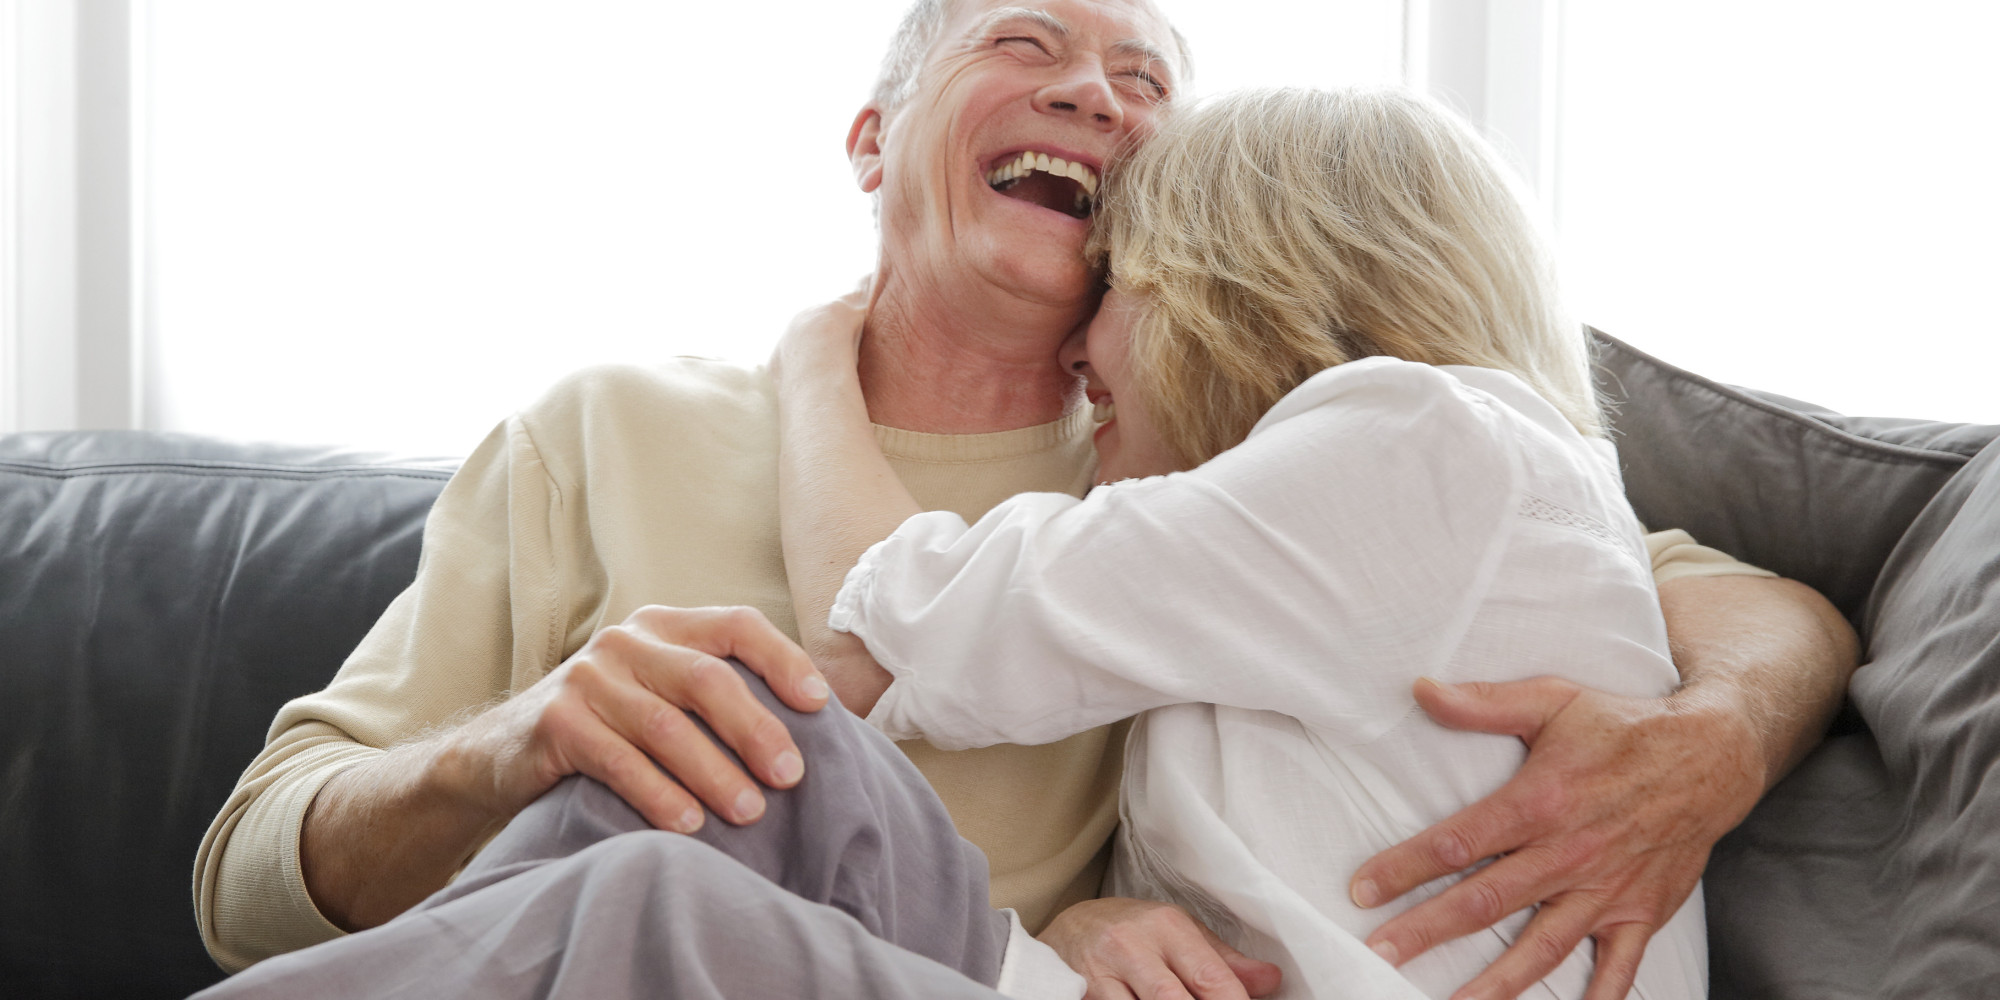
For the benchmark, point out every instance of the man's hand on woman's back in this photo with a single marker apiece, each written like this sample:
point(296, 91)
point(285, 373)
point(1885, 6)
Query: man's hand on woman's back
point(1608, 827)
point(1609, 824)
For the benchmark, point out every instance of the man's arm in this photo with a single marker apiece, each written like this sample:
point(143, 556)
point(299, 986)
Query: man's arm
point(372, 791)
point(1610, 822)
point(385, 833)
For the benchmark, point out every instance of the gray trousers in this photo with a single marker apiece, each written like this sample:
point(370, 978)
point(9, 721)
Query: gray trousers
point(853, 884)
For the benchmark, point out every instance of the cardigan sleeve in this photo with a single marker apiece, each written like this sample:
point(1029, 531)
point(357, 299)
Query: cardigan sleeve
point(1676, 554)
point(483, 610)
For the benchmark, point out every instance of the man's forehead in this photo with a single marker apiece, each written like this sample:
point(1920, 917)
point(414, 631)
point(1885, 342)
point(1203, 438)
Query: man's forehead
point(1140, 29)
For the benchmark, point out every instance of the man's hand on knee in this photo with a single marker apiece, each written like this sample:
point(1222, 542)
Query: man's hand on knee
point(628, 699)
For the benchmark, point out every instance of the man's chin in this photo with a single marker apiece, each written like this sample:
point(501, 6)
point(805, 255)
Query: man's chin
point(1051, 276)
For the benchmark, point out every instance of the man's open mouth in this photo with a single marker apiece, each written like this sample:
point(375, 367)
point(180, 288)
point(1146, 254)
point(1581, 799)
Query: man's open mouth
point(1052, 182)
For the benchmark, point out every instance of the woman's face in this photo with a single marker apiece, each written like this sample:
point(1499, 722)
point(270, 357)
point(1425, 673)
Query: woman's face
point(1128, 445)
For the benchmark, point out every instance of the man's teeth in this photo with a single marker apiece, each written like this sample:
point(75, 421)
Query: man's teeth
point(1021, 165)
point(1101, 412)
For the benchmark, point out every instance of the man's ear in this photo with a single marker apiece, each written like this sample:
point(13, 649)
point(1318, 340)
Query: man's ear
point(864, 149)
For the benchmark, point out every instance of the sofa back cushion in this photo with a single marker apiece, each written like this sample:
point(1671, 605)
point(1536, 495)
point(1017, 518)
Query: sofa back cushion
point(1802, 491)
point(160, 597)
point(1929, 691)
point(1873, 869)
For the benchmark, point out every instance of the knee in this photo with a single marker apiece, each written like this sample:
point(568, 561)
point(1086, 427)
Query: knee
point(832, 730)
point(655, 856)
point(580, 802)
point(572, 815)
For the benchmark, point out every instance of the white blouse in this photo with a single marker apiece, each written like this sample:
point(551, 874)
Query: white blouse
point(1268, 613)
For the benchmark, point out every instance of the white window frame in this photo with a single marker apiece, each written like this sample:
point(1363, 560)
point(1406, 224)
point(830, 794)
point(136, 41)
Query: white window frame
point(10, 227)
point(69, 343)
point(1498, 62)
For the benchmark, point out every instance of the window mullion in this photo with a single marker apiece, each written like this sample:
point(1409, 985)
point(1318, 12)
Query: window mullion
point(1496, 62)
point(67, 347)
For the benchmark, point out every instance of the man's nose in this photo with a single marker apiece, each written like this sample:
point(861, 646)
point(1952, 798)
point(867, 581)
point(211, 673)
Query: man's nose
point(1084, 91)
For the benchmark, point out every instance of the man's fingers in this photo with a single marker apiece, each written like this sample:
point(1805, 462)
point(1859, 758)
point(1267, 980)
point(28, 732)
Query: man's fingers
point(1619, 950)
point(1510, 708)
point(746, 634)
point(1549, 938)
point(612, 759)
point(701, 682)
point(1481, 900)
point(666, 732)
point(1493, 825)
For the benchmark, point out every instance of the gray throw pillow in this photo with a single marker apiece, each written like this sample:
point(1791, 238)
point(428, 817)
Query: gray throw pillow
point(1797, 489)
point(1874, 870)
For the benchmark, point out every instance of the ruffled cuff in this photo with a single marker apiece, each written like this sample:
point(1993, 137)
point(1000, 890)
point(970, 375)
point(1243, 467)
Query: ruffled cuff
point(855, 587)
point(1031, 970)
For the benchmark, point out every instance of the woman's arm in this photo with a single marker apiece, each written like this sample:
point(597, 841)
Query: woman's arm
point(1316, 570)
point(837, 494)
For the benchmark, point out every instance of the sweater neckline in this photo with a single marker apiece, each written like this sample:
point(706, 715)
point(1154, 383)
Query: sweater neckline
point(918, 446)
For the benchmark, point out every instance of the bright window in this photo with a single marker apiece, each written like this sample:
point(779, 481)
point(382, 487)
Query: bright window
point(1797, 196)
point(389, 223)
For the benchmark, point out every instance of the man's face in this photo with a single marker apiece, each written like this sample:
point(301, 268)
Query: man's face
point(969, 178)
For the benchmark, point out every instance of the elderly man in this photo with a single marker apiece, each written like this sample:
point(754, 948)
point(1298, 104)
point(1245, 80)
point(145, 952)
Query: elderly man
point(535, 642)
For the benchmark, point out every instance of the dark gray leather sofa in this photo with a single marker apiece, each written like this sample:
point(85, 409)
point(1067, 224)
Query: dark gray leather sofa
point(161, 596)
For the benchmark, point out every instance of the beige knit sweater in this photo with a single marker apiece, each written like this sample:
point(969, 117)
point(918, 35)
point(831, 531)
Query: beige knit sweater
point(625, 487)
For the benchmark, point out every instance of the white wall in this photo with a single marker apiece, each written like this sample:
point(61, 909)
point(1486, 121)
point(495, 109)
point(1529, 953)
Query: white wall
point(391, 222)
point(1798, 196)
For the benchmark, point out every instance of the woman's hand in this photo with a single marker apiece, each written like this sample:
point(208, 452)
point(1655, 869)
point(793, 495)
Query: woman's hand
point(824, 340)
point(1127, 948)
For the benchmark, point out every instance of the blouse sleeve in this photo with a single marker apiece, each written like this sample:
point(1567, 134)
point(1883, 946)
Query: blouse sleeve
point(1317, 570)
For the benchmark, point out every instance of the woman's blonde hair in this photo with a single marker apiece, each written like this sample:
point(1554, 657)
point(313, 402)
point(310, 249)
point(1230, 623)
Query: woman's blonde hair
point(1271, 234)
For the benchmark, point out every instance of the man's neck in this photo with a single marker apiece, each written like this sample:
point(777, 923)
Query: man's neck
point(937, 366)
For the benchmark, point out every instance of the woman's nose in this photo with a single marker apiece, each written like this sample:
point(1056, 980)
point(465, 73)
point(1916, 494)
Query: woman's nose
point(1072, 357)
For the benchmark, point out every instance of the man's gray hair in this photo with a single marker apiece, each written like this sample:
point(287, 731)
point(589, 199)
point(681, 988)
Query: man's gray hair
point(918, 34)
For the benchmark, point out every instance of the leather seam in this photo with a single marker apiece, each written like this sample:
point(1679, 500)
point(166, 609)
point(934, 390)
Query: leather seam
point(225, 472)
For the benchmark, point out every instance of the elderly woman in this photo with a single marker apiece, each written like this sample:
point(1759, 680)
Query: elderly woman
point(1349, 444)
